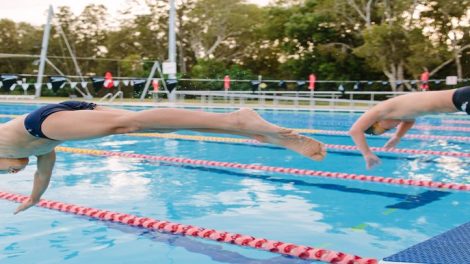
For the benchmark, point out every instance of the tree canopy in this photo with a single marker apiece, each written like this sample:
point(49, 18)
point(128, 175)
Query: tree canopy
point(390, 40)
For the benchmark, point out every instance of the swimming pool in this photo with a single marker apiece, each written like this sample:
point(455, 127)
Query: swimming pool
point(363, 218)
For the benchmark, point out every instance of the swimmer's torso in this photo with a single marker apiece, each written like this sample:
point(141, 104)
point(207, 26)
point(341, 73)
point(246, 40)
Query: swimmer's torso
point(16, 142)
point(416, 104)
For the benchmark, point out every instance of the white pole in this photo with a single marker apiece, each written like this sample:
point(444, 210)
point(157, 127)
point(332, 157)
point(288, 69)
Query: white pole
point(42, 60)
point(172, 43)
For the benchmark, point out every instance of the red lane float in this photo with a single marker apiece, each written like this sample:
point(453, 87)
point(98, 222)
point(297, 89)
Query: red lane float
point(463, 122)
point(407, 151)
point(446, 128)
point(283, 248)
point(408, 136)
point(293, 171)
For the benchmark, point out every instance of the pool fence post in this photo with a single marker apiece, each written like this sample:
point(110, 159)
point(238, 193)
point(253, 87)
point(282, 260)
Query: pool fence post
point(42, 58)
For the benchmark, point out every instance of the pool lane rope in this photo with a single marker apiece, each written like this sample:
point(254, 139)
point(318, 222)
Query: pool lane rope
point(345, 133)
point(283, 248)
point(329, 146)
point(407, 136)
point(461, 122)
point(444, 128)
point(292, 171)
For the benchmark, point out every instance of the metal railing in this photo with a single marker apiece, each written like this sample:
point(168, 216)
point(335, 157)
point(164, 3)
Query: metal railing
point(112, 97)
point(278, 98)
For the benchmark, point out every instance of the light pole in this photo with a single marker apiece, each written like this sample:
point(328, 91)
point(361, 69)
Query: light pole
point(172, 45)
point(42, 59)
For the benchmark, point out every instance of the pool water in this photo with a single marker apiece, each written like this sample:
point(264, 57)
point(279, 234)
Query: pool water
point(362, 218)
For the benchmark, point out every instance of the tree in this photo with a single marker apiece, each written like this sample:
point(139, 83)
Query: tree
point(447, 23)
point(222, 29)
point(19, 38)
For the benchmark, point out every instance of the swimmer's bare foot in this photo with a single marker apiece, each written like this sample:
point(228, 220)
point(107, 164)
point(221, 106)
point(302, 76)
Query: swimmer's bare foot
point(248, 121)
point(303, 145)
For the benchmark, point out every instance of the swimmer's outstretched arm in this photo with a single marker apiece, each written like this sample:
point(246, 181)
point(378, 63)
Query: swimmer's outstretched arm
point(402, 128)
point(357, 133)
point(42, 178)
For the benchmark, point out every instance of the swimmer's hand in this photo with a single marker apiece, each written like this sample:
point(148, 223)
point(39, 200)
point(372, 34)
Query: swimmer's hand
point(392, 142)
point(25, 205)
point(371, 160)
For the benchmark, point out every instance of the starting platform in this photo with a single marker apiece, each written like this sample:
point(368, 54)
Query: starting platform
point(451, 247)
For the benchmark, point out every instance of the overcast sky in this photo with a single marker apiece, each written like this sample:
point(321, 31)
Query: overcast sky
point(34, 11)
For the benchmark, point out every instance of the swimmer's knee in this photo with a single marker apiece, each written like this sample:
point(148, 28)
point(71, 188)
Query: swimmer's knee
point(125, 124)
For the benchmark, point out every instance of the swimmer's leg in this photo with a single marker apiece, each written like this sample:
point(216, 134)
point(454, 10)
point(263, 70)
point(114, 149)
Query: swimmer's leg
point(86, 124)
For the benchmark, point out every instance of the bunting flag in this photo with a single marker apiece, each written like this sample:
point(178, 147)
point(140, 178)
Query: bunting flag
point(1, 84)
point(125, 82)
point(84, 84)
point(73, 85)
point(37, 86)
point(300, 85)
point(49, 86)
point(116, 83)
point(57, 82)
point(171, 84)
point(8, 81)
point(138, 87)
point(282, 84)
point(138, 84)
point(13, 87)
point(97, 82)
point(357, 86)
point(25, 86)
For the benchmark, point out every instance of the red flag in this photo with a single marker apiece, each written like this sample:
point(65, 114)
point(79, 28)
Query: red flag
point(108, 81)
point(156, 85)
point(226, 83)
point(311, 81)
point(424, 81)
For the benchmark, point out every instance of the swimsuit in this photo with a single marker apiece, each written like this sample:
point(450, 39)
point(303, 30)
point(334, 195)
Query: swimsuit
point(34, 120)
point(461, 99)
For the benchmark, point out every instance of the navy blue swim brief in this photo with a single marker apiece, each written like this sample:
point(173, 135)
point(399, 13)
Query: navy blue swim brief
point(34, 120)
point(461, 99)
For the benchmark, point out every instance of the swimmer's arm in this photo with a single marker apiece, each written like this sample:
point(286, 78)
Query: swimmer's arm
point(402, 128)
point(42, 178)
point(357, 133)
point(360, 126)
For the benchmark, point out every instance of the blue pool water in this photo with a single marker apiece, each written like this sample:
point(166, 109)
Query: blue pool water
point(367, 219)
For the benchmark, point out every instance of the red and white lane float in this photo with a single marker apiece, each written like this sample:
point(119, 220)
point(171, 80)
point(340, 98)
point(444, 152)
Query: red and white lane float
point(293, 171)
point(283, 248)
point(444, 128)
point(408, 136)
point(453, 121)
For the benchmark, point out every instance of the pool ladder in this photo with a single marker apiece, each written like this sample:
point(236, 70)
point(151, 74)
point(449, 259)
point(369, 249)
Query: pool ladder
point(112, 97)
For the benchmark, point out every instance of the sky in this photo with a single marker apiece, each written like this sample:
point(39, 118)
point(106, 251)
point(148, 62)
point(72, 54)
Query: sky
point(35, 11)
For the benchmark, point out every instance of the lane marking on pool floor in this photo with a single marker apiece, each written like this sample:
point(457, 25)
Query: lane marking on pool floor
point(283, 170)
point(345, 133)
point(329, 146)
point(283, 248)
